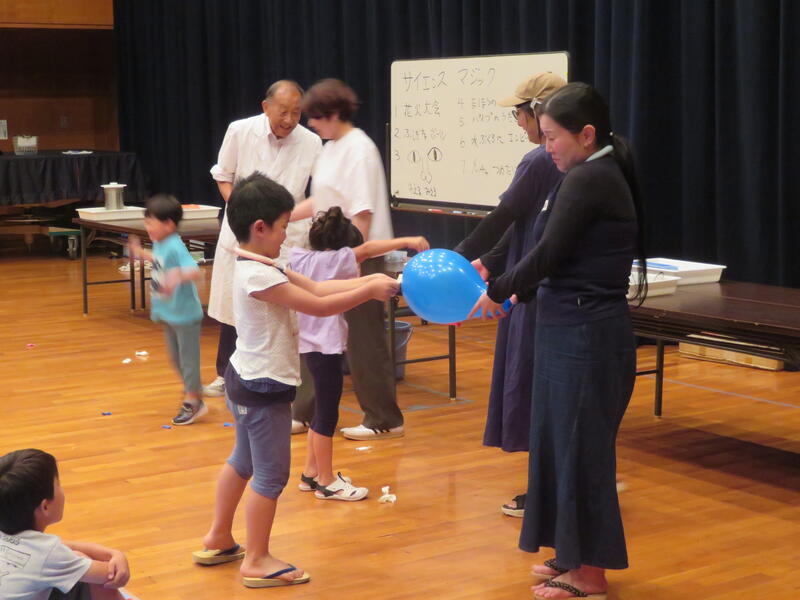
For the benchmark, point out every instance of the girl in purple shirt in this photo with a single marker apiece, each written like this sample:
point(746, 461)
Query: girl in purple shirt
point(337, 248)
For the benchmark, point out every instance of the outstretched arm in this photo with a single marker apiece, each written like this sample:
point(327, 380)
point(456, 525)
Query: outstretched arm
point(303, 210)
point(331, 286)
point(377, 247)
point(302, 300)
point(318, 288)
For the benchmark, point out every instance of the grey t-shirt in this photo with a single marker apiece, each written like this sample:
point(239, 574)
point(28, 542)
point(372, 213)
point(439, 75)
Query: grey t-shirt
point(32, 563)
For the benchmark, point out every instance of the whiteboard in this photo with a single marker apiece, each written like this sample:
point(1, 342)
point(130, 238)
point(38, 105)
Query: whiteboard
point(449, 141)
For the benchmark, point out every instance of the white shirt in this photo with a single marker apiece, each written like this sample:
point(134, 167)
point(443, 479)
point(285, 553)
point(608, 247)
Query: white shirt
point(267, 335)
point(349, 174)
point(250, 145)
point(32, 563)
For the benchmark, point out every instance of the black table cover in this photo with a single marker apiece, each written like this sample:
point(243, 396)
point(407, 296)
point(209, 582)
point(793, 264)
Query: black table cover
point(50, 176)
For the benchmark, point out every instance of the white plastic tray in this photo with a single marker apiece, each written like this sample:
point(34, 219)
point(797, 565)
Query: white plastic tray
point(190, 211)
point(99, 213)
point(688, 272)
point(657, 285)
point(200, 211)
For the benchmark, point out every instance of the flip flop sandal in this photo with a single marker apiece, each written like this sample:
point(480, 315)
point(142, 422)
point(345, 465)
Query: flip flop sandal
point(516, 508)
point(210, 558)
point(274, 580)
point(553, 566)
point(576, 593)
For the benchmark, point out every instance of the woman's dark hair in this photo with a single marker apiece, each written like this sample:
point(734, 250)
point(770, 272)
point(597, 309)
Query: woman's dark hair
point(164, 207)
point(329, 97)
point(256, 197)
point(573, 107)
point(331, 230)
point(26, 478)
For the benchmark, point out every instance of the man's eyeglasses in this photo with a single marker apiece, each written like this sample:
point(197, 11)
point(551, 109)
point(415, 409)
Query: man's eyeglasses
point(532, 103)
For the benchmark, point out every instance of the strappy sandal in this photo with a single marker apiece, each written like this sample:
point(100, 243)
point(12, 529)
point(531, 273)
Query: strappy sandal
point(309, 484)
point(553, 566)
point(341, 489)
point(516, 508)
point(576, 593)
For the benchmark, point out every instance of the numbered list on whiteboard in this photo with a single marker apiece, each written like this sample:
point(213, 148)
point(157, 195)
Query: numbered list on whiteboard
point(449, 140)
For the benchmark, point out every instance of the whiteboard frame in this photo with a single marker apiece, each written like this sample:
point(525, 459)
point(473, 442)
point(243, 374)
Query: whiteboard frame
point(440, 206)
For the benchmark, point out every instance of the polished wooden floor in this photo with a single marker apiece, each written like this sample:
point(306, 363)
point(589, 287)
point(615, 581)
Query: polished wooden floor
point(712, 509)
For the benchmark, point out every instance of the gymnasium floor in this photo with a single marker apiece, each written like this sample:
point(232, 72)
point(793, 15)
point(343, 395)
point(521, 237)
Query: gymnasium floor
point(711, 509)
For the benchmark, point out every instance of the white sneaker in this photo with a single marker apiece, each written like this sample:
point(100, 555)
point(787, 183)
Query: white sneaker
point(299, 426)
point(366, 433)
point(341, 489)
point(215, 388)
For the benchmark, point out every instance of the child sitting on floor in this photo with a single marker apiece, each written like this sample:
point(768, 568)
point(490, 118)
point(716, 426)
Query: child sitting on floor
point(337, 248)
point(35, 565)
point(174, 299)
point(263, 373)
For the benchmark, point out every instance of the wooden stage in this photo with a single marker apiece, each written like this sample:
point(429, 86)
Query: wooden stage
point(712, 509)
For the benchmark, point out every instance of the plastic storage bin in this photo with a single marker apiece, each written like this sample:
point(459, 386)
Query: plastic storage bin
point(689, 272)
point(657, 285)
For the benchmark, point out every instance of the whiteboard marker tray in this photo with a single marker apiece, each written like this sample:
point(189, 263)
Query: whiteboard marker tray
point(657, 285)
point(689, 272)
point(99, 213)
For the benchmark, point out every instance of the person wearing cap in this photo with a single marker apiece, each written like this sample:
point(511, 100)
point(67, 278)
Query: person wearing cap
point(586, 237)
point(508, 418)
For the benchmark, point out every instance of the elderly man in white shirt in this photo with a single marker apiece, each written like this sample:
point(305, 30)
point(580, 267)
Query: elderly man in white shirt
point(275, 144)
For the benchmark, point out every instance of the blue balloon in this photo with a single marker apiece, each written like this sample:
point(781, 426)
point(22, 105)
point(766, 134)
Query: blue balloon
point(441, 286)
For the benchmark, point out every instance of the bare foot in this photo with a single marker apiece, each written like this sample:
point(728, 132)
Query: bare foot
point(265, 566)
point(543, 571)
point(217, 541)
point(589, 580)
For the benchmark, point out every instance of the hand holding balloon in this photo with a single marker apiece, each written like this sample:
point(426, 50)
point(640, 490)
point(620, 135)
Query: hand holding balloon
point(441, 286)
point(486, 308)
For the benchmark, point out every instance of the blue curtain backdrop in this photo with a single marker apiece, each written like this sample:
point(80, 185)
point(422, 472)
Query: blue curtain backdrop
point(707, 91)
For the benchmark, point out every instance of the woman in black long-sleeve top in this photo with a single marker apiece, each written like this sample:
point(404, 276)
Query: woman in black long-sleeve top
point(587, 235)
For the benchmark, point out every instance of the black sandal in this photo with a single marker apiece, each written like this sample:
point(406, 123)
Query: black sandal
point(307, 484)
point(516, 508)
point(551, 564)
point(576, 593)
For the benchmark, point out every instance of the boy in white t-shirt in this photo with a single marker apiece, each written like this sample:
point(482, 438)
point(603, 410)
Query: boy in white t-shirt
point(38, 566)
point(263, 374)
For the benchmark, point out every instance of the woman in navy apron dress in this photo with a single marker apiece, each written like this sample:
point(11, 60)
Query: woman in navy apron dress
point(508, 416)
point(586, 237)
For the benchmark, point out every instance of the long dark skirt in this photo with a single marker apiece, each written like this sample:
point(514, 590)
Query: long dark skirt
point(509, 414)
point(582, 383)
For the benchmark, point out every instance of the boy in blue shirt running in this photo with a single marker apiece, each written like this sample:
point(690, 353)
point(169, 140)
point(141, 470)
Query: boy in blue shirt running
point(174, 299)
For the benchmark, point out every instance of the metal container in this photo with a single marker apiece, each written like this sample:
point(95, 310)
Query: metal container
point(113, 195)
